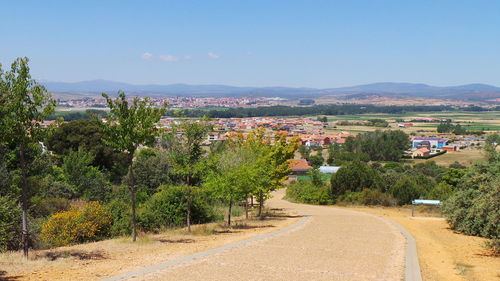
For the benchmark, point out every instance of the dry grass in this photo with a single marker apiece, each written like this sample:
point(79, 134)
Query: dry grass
point(443, 253)
point(94, 261)
point(465, 157)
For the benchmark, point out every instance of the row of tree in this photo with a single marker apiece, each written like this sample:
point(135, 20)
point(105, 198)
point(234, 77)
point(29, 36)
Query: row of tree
point(166, 177)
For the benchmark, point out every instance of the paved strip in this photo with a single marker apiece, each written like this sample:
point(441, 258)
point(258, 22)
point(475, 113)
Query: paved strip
point(412, 266)
point(335, 244)
point(165, 265)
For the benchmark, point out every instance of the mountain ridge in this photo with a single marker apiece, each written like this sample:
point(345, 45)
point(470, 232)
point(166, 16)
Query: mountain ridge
point(474, 91)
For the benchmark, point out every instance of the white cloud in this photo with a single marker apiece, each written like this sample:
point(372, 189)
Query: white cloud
point(147, 56)
point(213, 56)
point(168, 58)
point(188, 57)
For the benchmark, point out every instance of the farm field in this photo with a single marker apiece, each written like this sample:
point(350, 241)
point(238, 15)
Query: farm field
point(473, 121)
point(465, 157)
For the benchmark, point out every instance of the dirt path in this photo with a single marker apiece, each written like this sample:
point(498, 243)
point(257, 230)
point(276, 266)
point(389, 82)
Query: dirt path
point(333, 244)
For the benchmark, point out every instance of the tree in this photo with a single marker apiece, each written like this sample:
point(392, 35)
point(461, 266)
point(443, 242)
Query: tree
point(234, 177)
point(186, 156)
point(87, 134)
point(316, 160)
point(88, 182)
point(305, 151)
point(379, 145)
point(354, 177)
point(272, 163)
point(128, 126)
point(24, 105)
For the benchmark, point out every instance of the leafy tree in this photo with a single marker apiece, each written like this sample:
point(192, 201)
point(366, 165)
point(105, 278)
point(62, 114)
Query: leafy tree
point(186, 156)
point(493, 139)
point(355, 176)
point(24, 106)
point(234, 177)
point(380, 145)
point(316, 160)
point(87, 181)
point(167, 208)
point(87, 134)
point(474, 208)
point(152, 169)
point(305, 151)
point(273, 168)
point(405, 190)
point(10, 216)
point(128, 126)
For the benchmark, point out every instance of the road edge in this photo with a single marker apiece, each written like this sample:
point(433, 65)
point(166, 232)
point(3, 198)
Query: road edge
point(412, 265)
point(171, 263)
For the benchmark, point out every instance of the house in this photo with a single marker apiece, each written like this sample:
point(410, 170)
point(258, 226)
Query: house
point(299, 166)
point(420, 152)
point(328, 169)
point(433, 141)
point(450, 148)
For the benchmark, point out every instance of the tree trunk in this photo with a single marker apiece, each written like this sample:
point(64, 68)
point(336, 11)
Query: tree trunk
point(229, 212)
point(188, 216)
point(261, 204)
point(133, 192)
point(24, 202)
point(246, 208)
point(251, 201)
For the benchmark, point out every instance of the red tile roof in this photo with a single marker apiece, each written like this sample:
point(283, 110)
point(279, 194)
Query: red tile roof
point(299, 165)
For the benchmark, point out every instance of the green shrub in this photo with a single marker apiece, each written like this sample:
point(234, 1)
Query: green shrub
point(10, 221)
point(441, 192)
point(90, 222)
point(43, 207)
point(376, 197)
point(405, 190)
point(303, 191)
point(353, 177)
point(121, 215)
point(474, 209)
point(367, 197)
point(168, 208)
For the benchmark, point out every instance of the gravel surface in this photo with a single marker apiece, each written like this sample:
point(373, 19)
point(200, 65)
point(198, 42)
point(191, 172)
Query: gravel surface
point(334, 244)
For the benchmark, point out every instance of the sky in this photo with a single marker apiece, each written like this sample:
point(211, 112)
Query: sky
point(292, 43)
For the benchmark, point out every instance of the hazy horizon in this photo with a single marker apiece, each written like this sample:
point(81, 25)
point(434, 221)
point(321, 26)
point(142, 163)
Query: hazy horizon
point(318, 44)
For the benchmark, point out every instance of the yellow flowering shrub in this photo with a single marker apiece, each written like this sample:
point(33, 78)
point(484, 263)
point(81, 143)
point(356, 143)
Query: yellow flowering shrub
point(90, 222)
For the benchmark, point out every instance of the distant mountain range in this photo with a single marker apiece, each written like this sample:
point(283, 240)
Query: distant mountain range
point(463, 92)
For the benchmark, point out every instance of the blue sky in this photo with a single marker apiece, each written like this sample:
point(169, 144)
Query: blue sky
point(256, 43)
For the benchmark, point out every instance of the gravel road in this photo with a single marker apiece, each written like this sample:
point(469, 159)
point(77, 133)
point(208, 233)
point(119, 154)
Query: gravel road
point(333, 244)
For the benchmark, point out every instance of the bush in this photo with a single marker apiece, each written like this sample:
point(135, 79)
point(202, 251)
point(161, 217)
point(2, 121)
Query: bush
point(303, 191)
point(168, 208)
point(353, 177)
point(43, 207)
point(122, 216)
point(10, 222)
point(441, 192)
point(474, 209)
point(368, 197)
point(405, 190)
point(90, 222)
point(376, 197)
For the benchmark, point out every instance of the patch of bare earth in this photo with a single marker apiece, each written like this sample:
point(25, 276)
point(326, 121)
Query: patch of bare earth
point(98, 260)
point(443, 253)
